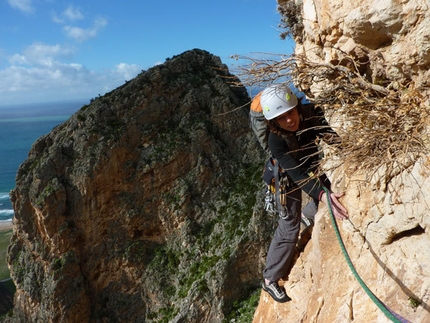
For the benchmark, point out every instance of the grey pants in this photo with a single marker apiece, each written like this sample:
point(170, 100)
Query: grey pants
point(311, 209)
point(282, 250)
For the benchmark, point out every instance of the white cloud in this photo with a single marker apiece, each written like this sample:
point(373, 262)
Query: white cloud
point(71, 14)
point(50, 83)
point(81, 35)
point(42, 54)
point(18, 59)
point(128, 71)
point(40, 50)
point(23, 5)
point(40, 74)
point(43, 72)
point(38, 67)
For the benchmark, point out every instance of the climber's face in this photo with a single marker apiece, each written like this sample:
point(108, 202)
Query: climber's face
point(289, 120)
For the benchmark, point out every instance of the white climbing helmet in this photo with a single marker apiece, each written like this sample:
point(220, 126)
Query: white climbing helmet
point(276, 100)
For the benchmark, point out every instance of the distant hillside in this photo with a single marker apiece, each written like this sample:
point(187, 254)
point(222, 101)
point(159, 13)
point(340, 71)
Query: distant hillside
point(142, 206)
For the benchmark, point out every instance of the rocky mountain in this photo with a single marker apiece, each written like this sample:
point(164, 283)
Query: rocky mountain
point(145, 205)
point(384, 45)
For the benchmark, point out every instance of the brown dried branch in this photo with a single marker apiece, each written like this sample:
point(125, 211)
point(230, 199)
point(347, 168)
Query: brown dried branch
point(378, 126)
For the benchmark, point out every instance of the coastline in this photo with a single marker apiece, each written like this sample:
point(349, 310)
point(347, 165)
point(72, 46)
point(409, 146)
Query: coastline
point(6, 225)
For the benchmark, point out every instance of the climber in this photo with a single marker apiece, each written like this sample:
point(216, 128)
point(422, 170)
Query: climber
point(294, 128)
point(261, 130)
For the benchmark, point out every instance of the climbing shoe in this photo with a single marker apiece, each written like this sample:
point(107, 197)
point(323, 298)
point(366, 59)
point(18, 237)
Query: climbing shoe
point(277, 293)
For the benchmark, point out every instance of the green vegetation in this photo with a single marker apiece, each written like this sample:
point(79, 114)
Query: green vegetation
point(5, 237)
point(164, 315)
point(57, 264)
point(214, 243)
point(47, 191)
point(4, 243)
point(81, 118)
point(243, 311)
point(169, 138)
point(414, 303)
point(10, 286)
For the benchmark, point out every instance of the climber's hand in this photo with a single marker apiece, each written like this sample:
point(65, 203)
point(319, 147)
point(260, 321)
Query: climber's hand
point(339, 210)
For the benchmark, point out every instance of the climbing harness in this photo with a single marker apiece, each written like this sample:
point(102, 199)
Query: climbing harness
point(394, 317)
point(276, 192)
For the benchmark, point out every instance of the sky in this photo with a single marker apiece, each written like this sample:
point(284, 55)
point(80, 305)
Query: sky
point(54, 50)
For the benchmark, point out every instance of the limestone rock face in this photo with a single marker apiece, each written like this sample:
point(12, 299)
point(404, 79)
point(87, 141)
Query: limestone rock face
point(387, 239)
point(388, 234)
point(392, 36)
point(139, 208)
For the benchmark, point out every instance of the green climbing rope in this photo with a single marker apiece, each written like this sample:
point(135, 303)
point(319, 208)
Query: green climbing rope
point(372, 296)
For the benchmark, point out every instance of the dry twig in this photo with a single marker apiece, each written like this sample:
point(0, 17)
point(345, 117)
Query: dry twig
point(378, 126)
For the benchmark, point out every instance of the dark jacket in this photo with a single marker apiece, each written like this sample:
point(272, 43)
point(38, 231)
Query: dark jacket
point(297, 152)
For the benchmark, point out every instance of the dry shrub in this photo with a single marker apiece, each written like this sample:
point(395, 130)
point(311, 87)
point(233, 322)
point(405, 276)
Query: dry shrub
point(291, 23)
point(379, 127)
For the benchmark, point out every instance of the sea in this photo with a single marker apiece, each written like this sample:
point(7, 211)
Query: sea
point(20, 127)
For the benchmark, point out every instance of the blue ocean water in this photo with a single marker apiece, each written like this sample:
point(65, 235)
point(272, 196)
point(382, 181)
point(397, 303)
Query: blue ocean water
point(20, 127)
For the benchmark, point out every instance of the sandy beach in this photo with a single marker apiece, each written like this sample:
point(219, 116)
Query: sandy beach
point(5, 225)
